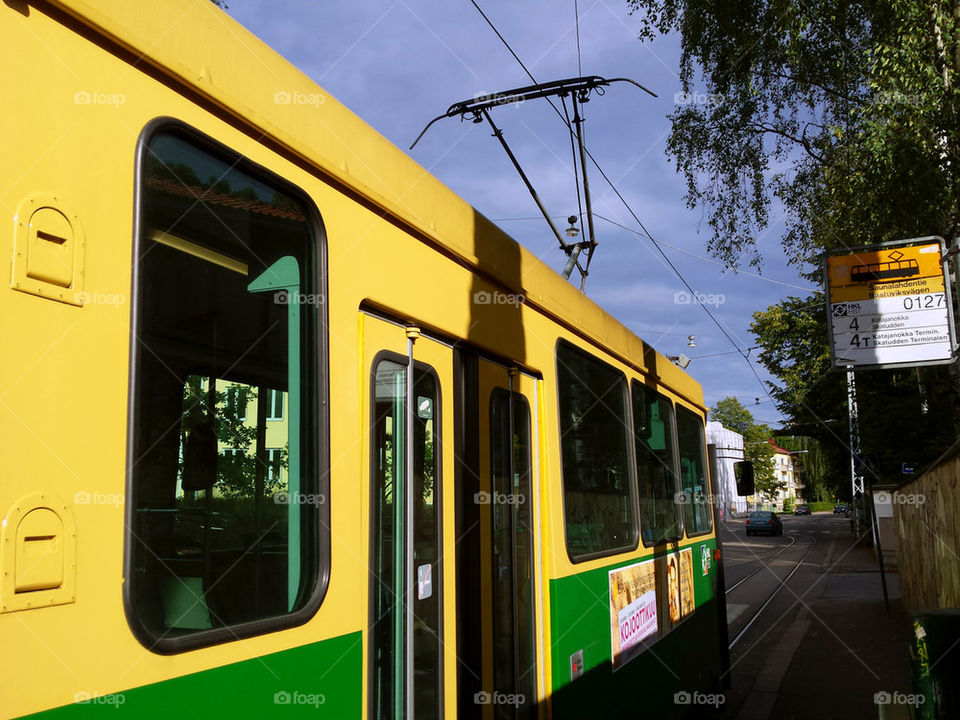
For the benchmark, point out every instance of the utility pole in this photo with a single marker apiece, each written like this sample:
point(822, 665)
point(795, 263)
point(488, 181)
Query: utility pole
point(856, 464)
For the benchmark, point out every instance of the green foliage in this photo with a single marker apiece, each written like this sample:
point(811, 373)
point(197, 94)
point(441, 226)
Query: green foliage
point(845, 112)
point(236, 438)
point(820, 506)
point(788, 505)
point(847, 115)
point(812, 468)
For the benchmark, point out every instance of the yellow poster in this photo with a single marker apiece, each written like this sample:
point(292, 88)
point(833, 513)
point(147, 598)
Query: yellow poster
point(633, 610)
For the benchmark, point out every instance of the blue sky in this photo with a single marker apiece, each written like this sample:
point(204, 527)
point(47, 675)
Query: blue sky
point(399, 63)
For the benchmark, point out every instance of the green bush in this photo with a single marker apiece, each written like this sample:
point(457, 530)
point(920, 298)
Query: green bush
point(820, 506)
point(788, 505)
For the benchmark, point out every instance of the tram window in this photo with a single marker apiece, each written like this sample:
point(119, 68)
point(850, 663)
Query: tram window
point(697, 509)
point(514, 608)
point(226, 506)
point(660, 517)
point(392, 437)
point(598, 492)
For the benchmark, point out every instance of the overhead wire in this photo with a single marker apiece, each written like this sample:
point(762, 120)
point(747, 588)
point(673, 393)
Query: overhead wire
point(656, 244)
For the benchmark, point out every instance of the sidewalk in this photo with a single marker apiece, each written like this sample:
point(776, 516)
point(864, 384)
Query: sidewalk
point(851, 648)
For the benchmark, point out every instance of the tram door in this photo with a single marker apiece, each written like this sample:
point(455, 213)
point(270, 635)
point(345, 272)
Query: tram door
point(507, 499)
point(408, 425)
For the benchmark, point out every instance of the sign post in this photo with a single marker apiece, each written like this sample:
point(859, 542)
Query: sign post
point(888, 306)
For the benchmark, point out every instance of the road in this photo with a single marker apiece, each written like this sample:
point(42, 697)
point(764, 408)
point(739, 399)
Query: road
point(810, 637)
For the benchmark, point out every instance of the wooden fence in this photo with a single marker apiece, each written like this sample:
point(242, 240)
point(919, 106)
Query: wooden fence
point(926, 514)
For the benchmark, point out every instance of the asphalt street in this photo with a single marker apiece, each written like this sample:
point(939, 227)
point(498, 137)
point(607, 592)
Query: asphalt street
point(810, 634)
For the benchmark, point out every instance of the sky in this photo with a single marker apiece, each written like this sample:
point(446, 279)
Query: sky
point(399, 63)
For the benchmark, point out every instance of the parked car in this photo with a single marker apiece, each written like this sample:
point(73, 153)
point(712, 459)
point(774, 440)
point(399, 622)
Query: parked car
point(764, 521)
point(802, 510)
point(840, 510)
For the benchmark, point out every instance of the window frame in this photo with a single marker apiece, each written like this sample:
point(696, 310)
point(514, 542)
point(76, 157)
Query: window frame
point(708, 479)
point(272, 415)
point(315, 428)
point(671, 427)
point(372, 487)
point(631, 464)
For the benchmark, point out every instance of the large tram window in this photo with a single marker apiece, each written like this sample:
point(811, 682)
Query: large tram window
point(660, 518)
point(224, 468)
point(697, 509)
point(598, 493)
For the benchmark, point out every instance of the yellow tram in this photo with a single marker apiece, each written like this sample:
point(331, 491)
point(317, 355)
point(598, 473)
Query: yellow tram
point(291, 428)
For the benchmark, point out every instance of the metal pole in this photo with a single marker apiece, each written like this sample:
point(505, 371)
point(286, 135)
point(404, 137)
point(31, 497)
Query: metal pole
point(591, 236)
point(498, 134)
point(722, 629)
point(572, 260)
point(411, 581)
point(876, 536)
point(856, 473)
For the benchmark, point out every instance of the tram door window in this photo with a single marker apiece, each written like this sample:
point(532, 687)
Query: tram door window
point(660, 518)
point(392, 489)
point(511, 502)
point(698, 514)
point(226, 506)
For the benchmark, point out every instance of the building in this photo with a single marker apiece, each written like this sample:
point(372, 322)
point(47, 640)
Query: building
point(729, 449)
point(786, 474)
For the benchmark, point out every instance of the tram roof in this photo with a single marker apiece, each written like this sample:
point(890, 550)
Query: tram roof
point(224, 62)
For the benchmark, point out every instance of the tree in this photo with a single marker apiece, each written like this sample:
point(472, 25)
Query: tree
point(811, 468)
point(845, 114)
point(902, 419)
point(730, 413)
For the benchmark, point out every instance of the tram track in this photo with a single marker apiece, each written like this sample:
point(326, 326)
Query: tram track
point(741, 581)
point(781, 583)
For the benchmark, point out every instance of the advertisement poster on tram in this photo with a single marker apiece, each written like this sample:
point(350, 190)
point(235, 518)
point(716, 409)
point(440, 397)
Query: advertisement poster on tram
point(680, 585)
point(633, 610)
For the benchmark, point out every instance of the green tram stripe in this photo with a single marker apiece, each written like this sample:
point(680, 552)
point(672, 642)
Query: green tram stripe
point(320, 679)
point(683, 659)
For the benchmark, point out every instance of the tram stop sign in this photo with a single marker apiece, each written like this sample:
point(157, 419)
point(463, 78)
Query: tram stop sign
point(890, 306)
